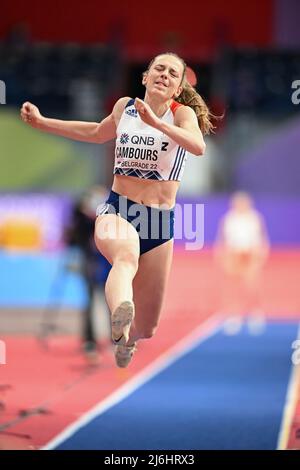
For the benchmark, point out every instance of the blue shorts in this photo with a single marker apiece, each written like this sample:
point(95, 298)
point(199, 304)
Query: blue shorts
point(154, 226)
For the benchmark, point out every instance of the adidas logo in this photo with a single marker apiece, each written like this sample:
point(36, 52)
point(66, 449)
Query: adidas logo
point(131, 112)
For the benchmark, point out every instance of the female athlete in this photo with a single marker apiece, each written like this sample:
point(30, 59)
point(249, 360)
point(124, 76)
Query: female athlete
point(152, 138)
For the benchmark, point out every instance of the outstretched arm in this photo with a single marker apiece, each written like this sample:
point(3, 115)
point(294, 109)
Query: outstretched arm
point(84, 131)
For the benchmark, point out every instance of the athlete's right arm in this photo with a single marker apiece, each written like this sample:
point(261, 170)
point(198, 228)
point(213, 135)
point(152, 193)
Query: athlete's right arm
point(84, 131)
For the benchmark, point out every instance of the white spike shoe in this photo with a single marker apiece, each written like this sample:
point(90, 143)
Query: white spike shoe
point(123, 354)
point(121, 320)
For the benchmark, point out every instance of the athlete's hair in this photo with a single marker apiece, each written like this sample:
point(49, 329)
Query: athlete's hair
point(190, 97)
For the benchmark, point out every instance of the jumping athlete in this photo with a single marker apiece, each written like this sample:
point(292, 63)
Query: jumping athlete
point(152, 138)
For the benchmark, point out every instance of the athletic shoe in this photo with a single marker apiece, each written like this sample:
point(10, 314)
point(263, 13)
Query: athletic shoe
point(120, 322)
point(123, 354)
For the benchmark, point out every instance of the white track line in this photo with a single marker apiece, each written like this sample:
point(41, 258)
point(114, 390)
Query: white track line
point(290, 405)
point(186, 344)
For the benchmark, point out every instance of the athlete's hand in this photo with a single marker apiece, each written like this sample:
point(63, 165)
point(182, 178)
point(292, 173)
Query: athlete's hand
point(146, 114)
point(30, 114)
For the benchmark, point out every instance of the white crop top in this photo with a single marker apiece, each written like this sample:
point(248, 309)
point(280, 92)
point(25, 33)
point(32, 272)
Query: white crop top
point(145, 152)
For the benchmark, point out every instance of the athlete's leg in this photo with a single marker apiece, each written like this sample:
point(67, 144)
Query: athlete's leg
point(118, 241)
point(149, 287)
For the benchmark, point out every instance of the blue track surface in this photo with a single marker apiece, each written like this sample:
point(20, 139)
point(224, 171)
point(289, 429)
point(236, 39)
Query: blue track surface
point(227, 393)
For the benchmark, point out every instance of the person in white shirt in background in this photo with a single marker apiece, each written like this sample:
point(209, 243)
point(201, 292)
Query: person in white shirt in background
point(241, 250)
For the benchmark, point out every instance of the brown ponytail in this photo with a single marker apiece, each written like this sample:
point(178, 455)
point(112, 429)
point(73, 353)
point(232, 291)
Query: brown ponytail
point(190, 97)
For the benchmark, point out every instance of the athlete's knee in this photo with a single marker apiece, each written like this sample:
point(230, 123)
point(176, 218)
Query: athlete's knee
point(128, 258)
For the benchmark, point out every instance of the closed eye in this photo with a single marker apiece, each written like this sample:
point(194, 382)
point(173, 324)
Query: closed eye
point(173, 73)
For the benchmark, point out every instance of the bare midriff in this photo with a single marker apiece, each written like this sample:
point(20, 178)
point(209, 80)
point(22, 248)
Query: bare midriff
point(148, 192)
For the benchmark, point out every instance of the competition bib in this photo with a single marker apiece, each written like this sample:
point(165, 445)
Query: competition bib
point(138, 151)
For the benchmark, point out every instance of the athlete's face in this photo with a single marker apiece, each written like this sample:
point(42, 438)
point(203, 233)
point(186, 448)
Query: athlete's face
point(164, 77)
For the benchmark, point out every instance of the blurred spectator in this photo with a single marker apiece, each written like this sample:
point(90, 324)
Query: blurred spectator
point(94, 267)
point(241, 250)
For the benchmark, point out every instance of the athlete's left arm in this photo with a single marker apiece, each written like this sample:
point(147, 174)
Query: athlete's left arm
point(185, 131)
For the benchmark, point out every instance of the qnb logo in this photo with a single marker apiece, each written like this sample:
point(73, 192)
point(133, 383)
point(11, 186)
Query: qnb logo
point(124, 138)
point(2, 352)
point(296, 353)
point(2, 92)
point(142, 140)
point(296, 94)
